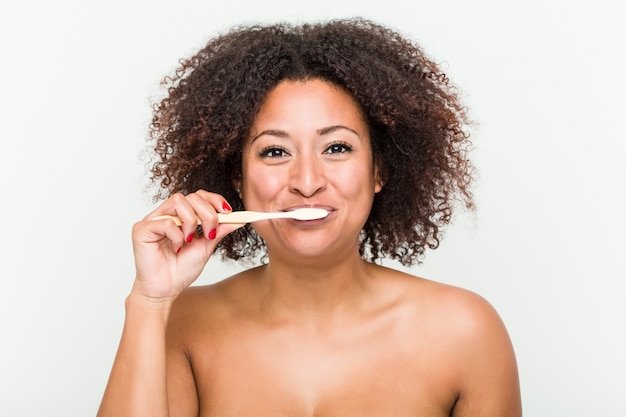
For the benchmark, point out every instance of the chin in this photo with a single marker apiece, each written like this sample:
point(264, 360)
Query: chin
point(321, 250)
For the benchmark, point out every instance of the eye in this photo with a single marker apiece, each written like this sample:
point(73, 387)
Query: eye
point(273, 152)
point(337, 148)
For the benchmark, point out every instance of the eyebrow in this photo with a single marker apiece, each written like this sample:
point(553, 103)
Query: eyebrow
point(321, 132)
point(330, 129)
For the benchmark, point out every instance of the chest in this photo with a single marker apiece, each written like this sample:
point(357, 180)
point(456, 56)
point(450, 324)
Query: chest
point(366, 372)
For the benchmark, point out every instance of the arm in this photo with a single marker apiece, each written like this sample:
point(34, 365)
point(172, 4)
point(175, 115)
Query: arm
point(137, 384)
point(168, 259)
point(488, 376)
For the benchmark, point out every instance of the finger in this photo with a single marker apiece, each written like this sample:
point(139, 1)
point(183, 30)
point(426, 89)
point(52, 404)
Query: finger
point(149, 231)
point(225, 228)
point(206, 206)
point(178, 205)
point(217, 201)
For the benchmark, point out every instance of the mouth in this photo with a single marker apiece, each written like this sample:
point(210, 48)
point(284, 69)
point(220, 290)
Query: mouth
point(311, 213)
point(309, 206)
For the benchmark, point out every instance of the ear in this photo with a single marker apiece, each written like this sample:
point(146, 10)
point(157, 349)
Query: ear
point(379, 177)
point(237, 184)
point(378, 186)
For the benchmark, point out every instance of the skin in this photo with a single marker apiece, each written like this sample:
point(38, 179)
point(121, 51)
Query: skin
point(316, 331)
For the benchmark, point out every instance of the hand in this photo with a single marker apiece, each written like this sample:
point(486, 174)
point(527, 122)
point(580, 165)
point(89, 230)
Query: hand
point(169, 258)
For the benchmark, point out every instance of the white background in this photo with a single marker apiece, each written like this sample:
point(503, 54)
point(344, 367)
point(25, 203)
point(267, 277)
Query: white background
point(544, 80)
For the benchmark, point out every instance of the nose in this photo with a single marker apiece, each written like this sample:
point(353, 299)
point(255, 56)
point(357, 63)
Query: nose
point(307, 176)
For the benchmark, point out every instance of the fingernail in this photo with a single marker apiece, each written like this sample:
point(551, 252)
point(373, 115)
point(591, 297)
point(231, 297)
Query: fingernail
point(226, 206)
point(212, 234)
point(189, 237)
point(178, 251)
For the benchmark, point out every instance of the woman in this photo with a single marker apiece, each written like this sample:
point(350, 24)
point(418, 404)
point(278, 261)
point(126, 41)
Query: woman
point(347, 116)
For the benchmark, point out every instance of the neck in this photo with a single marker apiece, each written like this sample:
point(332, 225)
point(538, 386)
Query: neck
point(317, 287)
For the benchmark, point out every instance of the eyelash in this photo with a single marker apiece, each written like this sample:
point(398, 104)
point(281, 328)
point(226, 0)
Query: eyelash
point(272, 150)
point(344, 147)
point(268, 150)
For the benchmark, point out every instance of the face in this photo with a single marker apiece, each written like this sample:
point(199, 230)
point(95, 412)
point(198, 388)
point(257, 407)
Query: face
point(309, 146)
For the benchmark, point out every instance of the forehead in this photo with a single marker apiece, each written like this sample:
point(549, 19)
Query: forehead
point(314, 102)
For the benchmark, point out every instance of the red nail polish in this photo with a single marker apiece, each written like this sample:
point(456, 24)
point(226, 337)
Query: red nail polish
point(212, 234)
point(189, 237)
point(226, 206)
point(178, 251)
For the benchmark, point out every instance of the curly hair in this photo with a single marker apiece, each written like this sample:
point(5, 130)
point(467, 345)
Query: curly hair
point(418, 127)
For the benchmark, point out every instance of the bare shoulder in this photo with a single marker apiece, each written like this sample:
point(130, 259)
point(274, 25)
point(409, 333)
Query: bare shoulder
point(203, 305)
point(467, 340)
point(458, 310)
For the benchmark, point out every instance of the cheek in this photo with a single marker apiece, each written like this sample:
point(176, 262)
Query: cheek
point(260, 185)
point(355, 180)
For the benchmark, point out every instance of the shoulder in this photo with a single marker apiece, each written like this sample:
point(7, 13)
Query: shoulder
point(465, 338)
point(447, 304)
point(201, 306)
point(462, 311)
point(455, 308)
point(465, 341)
point(451, 316)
